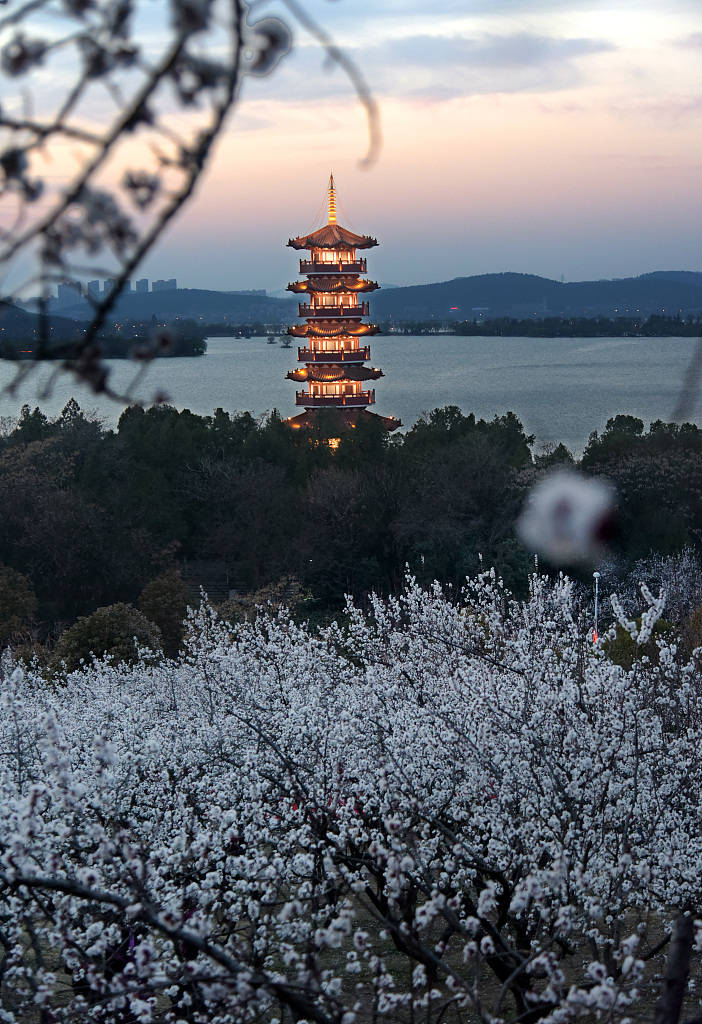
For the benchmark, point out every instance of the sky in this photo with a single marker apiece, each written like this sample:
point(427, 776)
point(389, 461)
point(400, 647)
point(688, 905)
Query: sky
point(553, 137)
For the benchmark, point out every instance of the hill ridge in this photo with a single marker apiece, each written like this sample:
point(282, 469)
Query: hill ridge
point(505, 293)
point(509, 293)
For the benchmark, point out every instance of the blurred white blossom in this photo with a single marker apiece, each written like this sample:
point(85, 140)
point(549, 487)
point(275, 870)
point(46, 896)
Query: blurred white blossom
point(567, 516)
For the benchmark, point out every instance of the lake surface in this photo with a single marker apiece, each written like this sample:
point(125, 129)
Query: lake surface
point(561, 388)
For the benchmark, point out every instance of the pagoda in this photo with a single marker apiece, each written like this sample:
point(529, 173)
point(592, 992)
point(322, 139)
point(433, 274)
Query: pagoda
point(334, 356)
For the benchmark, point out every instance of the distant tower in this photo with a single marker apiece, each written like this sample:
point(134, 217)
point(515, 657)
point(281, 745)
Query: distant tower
point(334, 362)
point(69, 293)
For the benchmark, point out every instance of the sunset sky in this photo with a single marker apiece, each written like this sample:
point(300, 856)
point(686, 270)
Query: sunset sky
point(556, 137)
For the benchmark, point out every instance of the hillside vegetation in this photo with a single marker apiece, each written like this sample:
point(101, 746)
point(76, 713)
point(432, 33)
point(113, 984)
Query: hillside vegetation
point(93, 517)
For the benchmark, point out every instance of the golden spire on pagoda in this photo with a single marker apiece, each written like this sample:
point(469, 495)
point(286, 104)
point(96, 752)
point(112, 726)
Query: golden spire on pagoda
point(332, 201)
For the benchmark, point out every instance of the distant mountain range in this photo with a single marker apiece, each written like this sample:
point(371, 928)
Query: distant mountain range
point(522, 295)
point(464, 298)
point(18, 323)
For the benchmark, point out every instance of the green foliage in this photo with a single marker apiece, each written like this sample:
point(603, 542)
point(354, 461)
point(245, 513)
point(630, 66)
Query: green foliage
point(554, 456)
point(365, 443)
point(658, 475)
point(32, 426)
point(581, 327)
point(117, 630)
point(78, 551)
point(18, 606)
point(164, 601)
point(625, 651)
point(94, 516)
point(692, 632)
point(503, 434)
point(286, 592)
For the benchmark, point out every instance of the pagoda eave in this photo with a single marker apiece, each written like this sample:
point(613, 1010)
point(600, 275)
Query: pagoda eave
point(332, 373)
point(333, 330)
point(325, 286)
point(333, 422)
point(332, 236)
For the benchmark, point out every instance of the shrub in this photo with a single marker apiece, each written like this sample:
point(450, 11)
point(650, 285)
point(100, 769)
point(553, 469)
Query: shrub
point(286, 592)
point(624, 650)
point(18, 605)
point(165, 601)
point(117, 629)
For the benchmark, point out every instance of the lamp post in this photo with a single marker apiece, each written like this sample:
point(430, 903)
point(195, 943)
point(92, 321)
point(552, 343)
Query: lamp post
point(595, 634)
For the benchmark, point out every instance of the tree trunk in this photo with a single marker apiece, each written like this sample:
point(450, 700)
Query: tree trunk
point(677, 968)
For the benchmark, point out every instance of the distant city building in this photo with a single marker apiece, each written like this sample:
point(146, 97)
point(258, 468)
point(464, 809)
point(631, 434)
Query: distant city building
point(93, 289)
point(69, 293)
point(164, 286)
point(142, 285)
point(111, 282)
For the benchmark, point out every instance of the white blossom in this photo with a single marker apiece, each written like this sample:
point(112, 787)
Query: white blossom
point(566, 517)
point(401, 803)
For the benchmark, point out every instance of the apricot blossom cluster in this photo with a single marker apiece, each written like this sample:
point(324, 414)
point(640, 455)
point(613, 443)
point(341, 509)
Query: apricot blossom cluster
point(421, 810)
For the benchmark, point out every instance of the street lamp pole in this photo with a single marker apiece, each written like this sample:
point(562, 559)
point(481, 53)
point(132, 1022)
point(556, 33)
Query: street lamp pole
point(595, 634)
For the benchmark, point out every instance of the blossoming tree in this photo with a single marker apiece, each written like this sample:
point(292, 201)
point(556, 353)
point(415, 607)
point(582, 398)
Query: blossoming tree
point(427, 812)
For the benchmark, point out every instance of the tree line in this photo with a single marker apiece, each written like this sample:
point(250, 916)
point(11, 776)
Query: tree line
point(654, 326)
point(130, 339)
point(146, 513)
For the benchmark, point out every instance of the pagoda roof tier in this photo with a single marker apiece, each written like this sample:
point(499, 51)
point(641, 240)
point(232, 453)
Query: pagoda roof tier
point(346, 283)
point(333, 372)
point(332, 236)
point(333, 329)
point(333, 422)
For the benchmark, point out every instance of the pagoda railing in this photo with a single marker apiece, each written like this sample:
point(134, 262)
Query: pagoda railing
point(339, 267)
point(332, 312)
point(354, 355)
point(317, 401)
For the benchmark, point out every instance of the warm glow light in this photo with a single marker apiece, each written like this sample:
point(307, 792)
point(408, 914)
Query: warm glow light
point(333, 294)
point(332, 201)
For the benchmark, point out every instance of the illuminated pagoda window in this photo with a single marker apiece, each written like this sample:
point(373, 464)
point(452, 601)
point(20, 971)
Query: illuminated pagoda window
point(333, 357)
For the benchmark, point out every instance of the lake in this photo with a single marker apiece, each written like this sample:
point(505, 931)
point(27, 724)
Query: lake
point(561, 388)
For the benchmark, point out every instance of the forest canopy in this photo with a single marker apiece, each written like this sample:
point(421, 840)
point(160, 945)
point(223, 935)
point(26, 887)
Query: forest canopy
point(93, 516)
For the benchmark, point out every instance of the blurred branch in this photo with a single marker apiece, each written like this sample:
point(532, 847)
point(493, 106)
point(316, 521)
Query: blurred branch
point(689, 388)
point(66, 228)
point(340, 57)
